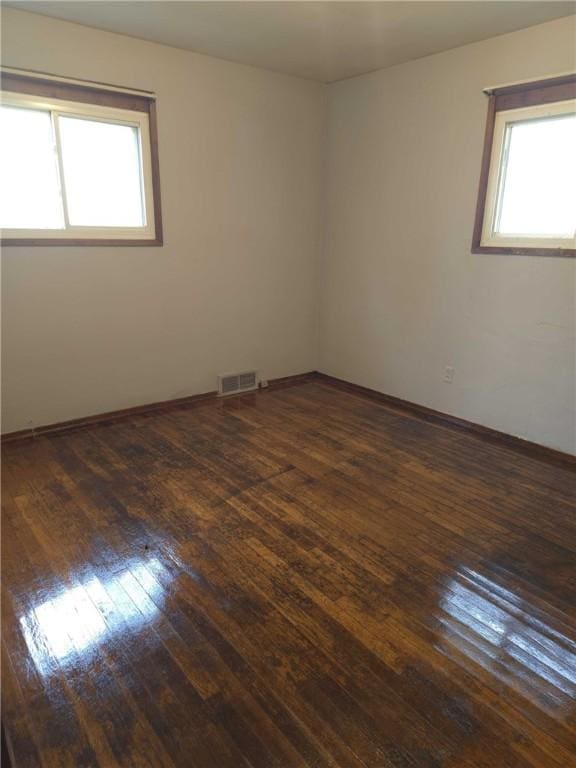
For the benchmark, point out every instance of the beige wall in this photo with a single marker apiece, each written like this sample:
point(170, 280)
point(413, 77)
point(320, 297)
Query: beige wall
point(238, 283)
point(402, 296)
point(87, 330)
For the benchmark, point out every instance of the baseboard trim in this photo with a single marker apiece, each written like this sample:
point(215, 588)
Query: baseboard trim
point(142, 410)
point(528, 448)
point(534, 450)
point(7, 761)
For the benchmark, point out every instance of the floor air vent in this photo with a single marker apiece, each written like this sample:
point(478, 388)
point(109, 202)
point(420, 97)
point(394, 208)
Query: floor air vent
point(237, 382)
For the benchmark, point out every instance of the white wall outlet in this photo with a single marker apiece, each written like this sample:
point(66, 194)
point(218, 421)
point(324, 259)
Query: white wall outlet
point(448, 374)
point(263, 383)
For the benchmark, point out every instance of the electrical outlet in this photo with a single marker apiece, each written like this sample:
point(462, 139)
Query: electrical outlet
point(448, 374)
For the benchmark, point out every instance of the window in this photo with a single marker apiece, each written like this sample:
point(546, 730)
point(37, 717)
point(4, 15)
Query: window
point(78, 165)
point(527, 194)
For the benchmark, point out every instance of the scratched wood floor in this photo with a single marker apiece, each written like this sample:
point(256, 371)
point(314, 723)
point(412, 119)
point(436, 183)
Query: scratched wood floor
point(295, 578)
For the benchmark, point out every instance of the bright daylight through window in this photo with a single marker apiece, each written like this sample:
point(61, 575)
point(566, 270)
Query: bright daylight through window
point(538, 181)
point(527, 199)
point(76, 171)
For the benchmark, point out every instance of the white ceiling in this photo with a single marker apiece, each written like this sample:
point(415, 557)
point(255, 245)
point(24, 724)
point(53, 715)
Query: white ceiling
point(323, 41)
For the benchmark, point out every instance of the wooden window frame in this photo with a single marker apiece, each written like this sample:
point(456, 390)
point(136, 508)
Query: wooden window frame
point(95, 96)
point(507, 98)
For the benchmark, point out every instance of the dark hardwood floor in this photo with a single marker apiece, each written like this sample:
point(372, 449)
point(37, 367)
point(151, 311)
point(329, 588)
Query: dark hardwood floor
point(301, 577)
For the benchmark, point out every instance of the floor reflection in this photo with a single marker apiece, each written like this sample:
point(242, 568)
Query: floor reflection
point(70, 623)
point(515, 641)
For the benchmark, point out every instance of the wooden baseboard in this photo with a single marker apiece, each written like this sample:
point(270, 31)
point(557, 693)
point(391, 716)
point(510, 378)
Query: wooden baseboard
point(526, 447)
point(140, 410)
point(6, 761)
point(291, 381)
point(535, 450)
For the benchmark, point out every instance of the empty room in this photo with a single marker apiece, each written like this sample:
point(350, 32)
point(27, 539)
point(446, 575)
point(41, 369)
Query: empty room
point(288, 384)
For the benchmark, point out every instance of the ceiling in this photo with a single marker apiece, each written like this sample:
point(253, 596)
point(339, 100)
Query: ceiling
point(323, 41)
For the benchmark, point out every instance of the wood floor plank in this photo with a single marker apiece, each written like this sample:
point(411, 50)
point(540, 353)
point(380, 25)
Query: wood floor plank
point(299, 578)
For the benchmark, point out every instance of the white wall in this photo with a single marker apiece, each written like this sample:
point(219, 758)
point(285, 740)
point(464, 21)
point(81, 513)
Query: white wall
point(402, 296)
point(88, 330)
point(238, 283)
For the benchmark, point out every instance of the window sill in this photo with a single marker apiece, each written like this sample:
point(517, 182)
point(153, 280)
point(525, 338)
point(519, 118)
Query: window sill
point(525, 251)
point(58, 241)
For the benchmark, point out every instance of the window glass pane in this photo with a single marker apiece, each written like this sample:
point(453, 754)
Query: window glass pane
point(101, 173)
point(29, 187)
point(538, 184)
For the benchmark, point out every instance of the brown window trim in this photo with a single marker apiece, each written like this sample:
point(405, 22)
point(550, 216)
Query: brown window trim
point(499, 100)
point(87, 94)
